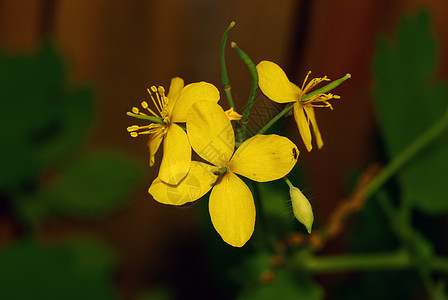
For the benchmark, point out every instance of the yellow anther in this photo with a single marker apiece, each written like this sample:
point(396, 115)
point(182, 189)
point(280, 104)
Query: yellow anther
point(146, 132)
point(154, 89)
point(145, 104)
point(134, 134)
point(135, 110)
point(133, 128)
point(161, 90)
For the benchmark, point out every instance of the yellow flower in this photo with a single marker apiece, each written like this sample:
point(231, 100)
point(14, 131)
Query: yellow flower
point(274, 83)
point(172, 109)
point(261, 158)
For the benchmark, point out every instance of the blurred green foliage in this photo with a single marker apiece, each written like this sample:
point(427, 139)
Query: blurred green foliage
point(41, 117)
point(42, 123)
point(281, 282)
point(45, 174)
point(408, 100)
point(278, 207)
point(286, 285)
point(77, 269)
point(89, 187)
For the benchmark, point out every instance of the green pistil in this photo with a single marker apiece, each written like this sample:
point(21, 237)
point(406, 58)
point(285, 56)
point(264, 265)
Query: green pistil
point(220, 171)
point(153, 119)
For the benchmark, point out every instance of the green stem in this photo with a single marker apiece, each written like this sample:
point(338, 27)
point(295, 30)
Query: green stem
point(430, 286)
point(288, 182)
point(224, 77)
point(254, 74)
point(358, 262)
point(366, 262)
point(152, 119)
point(407, 154)
point(275, 119)
point(403, 225)
point(322, 90)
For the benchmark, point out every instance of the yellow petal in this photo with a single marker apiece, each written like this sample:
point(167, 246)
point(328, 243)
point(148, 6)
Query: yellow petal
point(196, 184)
point(233, 115)
point(264, 158)
point(274, 83)
point(310, 114)
point(154, 143)
point(303, 125)
point(192, 93)
point(210, 132)
point(176, 86)
point(232, 210)
point(296, 89)
point(176, 155)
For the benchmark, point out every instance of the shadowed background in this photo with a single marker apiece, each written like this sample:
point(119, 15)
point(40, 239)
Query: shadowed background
point(119, 48)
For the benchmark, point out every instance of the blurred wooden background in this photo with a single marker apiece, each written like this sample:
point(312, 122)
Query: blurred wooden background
point(121, 47)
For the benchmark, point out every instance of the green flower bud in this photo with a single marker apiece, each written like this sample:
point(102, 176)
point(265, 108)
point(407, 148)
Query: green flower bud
point(301, 208)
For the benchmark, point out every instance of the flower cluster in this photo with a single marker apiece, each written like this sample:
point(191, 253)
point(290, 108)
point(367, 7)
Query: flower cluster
point(210, 134)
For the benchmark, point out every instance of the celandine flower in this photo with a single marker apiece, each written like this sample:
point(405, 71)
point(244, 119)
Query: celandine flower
point(172, 109)
point(274, 83)
point(261, 158)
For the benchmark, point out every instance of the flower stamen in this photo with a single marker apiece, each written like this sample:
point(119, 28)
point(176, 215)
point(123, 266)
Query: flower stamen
point(145, 106)
point(154, 89)
point(161, 104)
point(160, 100)
point(304, 81)
point(148, 129)
point(319, 100)
point(156, 103)
point(136, 111)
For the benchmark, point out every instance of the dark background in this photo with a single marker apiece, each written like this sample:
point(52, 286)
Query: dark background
point(119, 48)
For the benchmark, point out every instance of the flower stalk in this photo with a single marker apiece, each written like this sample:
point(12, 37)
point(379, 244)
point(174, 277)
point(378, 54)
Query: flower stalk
point(407, 154)
point(400, 259)
point(254, 74)
point(224, 77)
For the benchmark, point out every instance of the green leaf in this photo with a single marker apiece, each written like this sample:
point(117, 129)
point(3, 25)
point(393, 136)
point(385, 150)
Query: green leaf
point(371, 219)
point(157, 293)
point(88, 188)
point(77, 270)
point(408, 101)
point(95, 185)
point(277, 208)
point(248, 272)
point(374, 285)
point(285, 286)
point(74, 117)
point(41, 117)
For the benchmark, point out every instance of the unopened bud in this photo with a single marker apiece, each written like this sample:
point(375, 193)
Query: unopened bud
point(301, 208)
